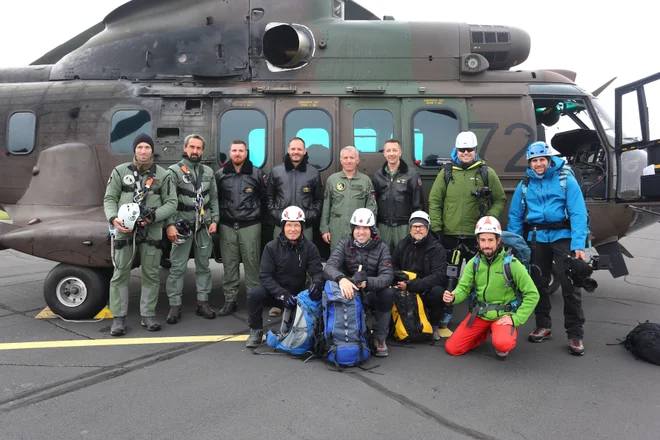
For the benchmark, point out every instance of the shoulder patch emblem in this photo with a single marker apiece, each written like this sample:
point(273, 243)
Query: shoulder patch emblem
point(419, 181)
point(341, 186)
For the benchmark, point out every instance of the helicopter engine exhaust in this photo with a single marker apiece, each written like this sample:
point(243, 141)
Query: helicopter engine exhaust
point(288, 46)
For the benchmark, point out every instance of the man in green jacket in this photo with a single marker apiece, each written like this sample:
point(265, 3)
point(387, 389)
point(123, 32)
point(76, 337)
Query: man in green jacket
point(197, 217)
point(149, 186)
point(345, 192)
point(464, 191)
point(496, 306)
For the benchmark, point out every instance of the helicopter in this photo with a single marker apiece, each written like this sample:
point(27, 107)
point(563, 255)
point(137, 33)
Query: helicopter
point(265, 71)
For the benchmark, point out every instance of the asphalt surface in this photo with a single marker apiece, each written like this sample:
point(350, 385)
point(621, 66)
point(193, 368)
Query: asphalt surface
point(221, 390)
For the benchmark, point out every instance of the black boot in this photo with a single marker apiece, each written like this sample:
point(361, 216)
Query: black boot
point(229, 308)
point(118, 328)
point(150, 323)
point(205, 310)
point(174, 315)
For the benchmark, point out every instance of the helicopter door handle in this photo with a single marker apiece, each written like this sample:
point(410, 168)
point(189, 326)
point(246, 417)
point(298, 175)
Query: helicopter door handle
point(146, 58)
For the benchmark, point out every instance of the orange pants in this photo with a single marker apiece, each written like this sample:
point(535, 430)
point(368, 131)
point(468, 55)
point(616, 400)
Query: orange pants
point(465, 339)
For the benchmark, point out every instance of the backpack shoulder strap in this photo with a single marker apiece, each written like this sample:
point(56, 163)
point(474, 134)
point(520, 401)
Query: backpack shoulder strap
point(483, 169)
point(508, 276)
point(448, 167)
point(563, 176)
point(525, 183)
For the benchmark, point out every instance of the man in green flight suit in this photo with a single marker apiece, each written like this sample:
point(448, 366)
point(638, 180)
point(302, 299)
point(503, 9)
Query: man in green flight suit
point(191, 226)
point(145, 191)
point(345, 192)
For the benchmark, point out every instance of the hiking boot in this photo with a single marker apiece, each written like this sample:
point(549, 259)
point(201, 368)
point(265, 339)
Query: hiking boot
point(539, 334)
point(174, 315)
point(501, 355)
point(118, 328)
point(205, 310)
point(150, 323)
point(228, 308)
point(381, 348)
point(275, 311)
point(255, 338)
point(446, 319)
point(436, 334)
point(575, 346)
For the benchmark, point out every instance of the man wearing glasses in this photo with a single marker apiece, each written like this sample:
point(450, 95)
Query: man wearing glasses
point(464, 191)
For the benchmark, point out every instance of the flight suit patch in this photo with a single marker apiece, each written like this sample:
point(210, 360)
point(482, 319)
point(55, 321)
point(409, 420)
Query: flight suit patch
point(401, 180)
point(419, 181)
point(306, 189)
point(248, 190)
point(341, 186)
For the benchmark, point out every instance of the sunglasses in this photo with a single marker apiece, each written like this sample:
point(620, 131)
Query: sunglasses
point(465, 150)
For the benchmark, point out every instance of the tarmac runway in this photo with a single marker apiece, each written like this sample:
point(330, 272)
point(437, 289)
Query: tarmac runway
point(186, 389)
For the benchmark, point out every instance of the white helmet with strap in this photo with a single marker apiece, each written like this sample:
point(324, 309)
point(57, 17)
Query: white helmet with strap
point(128, 214)
point(488, 224)
point(419, 217)
point(292, 214)
point(363, 217)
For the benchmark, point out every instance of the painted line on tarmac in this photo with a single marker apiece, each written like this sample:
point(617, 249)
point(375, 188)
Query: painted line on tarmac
point(121, 341)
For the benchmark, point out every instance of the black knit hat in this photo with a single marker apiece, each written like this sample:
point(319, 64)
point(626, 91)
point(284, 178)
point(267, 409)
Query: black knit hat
point(143, 138)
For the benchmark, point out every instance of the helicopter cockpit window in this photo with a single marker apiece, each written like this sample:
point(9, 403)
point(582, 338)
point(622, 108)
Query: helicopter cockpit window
point(247, 125)
point(371, 129)
point(22, 133)
point(338, 9)
point(434, 136)
point(567, 124)
point(126, 124)
point(315, 128)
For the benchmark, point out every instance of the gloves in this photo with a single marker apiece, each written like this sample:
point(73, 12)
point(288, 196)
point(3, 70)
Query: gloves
point(400, 275)
point(148, 215)
point(359, 277)
point(315, 292)
point(290, 302)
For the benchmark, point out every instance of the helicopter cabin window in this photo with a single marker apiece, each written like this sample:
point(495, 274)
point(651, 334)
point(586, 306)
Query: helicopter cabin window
point(315, 128)
point(126, 124)
point(371, 129)
point(567, 125)
point(22, 132)
point(247, 125)
point(434, 136)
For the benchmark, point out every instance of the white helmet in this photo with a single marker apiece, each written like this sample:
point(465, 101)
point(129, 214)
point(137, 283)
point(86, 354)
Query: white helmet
point(128, 214)
point(292, 214)
point(466, 139)
point(419, 217)
point(488, 224)
point(363, 217)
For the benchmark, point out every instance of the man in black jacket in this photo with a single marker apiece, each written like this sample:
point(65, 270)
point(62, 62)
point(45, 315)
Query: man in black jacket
point(295, 183)
point(364, 249)
point(242, 194)
point(422, 254)
point(284, 264)
point(398, 194)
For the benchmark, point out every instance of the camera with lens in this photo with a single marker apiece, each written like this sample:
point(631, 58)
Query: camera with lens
point(579, 272)
point(482, 193)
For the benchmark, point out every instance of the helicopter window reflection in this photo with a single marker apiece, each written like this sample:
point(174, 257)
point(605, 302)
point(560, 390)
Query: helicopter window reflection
point(371, 129)
point(315, 128)
point(247, 125)
point(126, 124)
point(21, 134)
point(434, 134)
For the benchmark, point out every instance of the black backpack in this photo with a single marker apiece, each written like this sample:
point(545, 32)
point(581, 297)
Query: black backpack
point(644, 342)
point(449, 168)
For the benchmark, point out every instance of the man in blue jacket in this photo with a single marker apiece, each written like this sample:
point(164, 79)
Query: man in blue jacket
point(549, 200)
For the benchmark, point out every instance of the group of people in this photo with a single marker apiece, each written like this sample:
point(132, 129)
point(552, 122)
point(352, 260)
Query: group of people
point(376, 227)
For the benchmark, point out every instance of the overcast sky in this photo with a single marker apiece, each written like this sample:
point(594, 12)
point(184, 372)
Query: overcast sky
point(596, 41)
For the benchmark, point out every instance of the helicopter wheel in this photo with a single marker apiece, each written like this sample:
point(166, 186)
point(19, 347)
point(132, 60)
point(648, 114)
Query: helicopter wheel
point(76, 292)
point(554, 281)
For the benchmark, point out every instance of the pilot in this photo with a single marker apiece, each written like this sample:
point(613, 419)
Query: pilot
point(198, 210)
point(363, 247)
point(495, 306)
point(150, 186)
point(242, 193)
point(420, 252)
point(398, 194)
point(345, 192)
point(285, 263)
point(555, 214)
point(464, 191)
point(298, 183)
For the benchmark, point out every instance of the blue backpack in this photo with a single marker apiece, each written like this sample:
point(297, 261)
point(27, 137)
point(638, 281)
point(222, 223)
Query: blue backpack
point(345, 328)
point(298, 337)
